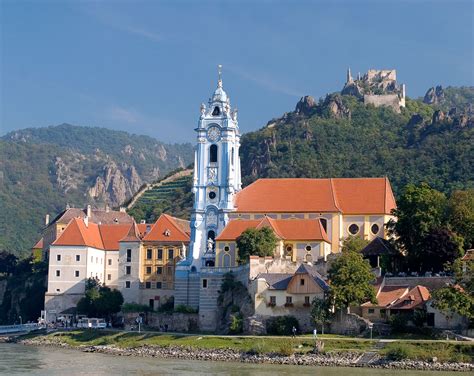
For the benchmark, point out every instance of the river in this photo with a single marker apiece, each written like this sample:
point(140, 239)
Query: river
point(18, 359)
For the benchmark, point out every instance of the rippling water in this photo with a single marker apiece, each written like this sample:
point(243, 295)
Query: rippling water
point(28, 360)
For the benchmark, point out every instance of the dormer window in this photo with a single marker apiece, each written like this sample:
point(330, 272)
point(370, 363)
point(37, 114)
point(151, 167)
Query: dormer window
point(216, 111)
point(167, 232)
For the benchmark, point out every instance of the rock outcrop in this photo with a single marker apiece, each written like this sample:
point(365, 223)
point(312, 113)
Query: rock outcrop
point(434, 95)
point(305, 106)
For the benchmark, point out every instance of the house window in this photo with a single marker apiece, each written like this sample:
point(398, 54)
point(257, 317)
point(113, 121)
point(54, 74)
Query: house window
point(170, 254)
point(96, 260)
point(78, 257)
point(375, 229)
point(148, 285)
point(76, 273)
point(213, 154)
point(110, 262)
point(289, 300)
point(92, 259)
point(109, 277)
point(204, 283)
point(129, 255)
point(58, 257)
point(58, 273)
point(159, 270)
point(158, 285)
point(302, 282)
point(127, 284)
point(371, 311)
point(160, 254)
point(306, 300)
point(273, 300)
point(149, 254)
point(128, 270)
point(353, 229)
point(148, 270)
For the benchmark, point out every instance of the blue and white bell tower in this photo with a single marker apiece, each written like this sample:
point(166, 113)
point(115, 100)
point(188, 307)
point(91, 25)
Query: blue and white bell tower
point(216, 175)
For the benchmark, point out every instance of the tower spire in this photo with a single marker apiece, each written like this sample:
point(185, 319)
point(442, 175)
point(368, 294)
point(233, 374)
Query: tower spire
point(219, 72)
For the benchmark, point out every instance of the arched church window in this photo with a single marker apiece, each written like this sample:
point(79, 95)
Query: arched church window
point(324, 223)
point(216, 111)
point(213, 153)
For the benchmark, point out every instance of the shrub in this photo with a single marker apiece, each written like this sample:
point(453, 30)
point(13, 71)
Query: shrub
point(185, 309)
point(236, 324)
point(398, 352)
point(135, 307)
point(398, 323)
point(167, 306)
point(282, 325)
point(258, 348)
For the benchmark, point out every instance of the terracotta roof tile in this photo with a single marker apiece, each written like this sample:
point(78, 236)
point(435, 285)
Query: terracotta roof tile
point(77, 233)
point(346, 195)
point(97, 216)
point(112, 234)
point(167, 229)
point(288, 229)
point(39, 244)
point(133, 234)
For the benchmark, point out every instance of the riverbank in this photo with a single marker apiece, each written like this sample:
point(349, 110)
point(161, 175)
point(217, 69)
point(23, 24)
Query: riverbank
point(271, 350)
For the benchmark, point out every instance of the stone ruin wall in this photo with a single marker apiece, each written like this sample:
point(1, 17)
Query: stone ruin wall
point(389, 100)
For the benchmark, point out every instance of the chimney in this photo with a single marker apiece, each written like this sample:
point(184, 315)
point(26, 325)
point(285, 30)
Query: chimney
point(142, 222)
point(89, 211)
point(86, 221)
point(122, 209)
point(46, 220)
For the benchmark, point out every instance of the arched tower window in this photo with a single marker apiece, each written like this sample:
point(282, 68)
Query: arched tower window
point(324, 222)
point(213, 153)
point(216, 111)
point(232, 157)
point(211, 235)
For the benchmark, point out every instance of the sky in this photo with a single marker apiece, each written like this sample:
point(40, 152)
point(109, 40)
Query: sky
point(146, 66)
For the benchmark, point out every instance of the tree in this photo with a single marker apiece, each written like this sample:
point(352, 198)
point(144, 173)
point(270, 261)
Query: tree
point(460, 213)
point(450, 300)
point(420, 210)
point(258, 242)
point(354, 243)
point(99, 301)
point(8, 262)
point(440, 247)
point(350, 276)
point(320, 312)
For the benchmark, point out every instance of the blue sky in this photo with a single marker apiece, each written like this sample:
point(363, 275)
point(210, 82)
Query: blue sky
point(145, 66)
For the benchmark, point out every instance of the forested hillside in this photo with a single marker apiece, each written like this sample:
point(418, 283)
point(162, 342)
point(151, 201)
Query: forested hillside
point(341, 137)
point(41, 170)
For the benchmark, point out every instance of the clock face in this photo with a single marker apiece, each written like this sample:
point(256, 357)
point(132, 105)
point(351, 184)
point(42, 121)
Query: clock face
point(213, 134)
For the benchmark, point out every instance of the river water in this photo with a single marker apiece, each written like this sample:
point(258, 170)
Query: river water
point(18, 359)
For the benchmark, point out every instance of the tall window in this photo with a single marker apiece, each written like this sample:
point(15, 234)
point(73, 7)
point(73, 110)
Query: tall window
point(129, 255)
point(160, 254)
point(232, 157)
point(148, 254)
point(58, 257)
point(324, 223)
point(159, 270)
point(213, 153)
point(216, 111)
point(127, 284)
point(148, 270)
point(78, 257)
point(170, 254)
point(128, 270)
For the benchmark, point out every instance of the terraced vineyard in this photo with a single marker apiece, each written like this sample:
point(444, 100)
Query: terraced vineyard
point(171, 195)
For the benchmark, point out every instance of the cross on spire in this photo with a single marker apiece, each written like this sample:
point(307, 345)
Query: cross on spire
point(219, 71)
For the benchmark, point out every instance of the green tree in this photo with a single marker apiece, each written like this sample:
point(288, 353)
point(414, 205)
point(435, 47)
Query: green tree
point(320, 312)
point(354, 244)
point(99, 301)
point(8, 262)
point(460, 212)
point(440, 247)
point(420, 210)
point(256, 242)
point(350, 279)
point(450, 300)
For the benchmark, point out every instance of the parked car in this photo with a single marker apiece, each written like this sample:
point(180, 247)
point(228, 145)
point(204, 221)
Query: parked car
point(92, 323)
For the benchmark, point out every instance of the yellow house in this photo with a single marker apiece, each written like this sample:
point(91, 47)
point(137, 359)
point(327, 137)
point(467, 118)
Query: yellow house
point(299, 240)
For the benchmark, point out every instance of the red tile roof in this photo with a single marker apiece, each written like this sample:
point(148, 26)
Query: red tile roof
point(168, 229)
point(38, 245)
point(112, 234)
point(346, 195)
point(400, 297)
point(287, 229)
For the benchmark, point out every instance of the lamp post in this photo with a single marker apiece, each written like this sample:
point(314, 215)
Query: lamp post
point(371, 326)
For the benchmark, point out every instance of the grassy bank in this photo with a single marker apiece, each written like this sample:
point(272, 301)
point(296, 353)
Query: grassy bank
point(398, 350)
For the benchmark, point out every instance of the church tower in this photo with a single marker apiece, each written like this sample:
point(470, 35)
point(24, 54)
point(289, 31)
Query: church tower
point(216, 175)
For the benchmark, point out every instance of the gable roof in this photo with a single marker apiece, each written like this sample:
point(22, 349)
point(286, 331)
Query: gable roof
point(133, 234)
point(401, 297)
point(105, 237)
point(346, 195)
point(280, 281)
point(287, 229)
point(168, 229)
point(377, 247)
point(39, 244)
point(97, 216)
point(311, 270)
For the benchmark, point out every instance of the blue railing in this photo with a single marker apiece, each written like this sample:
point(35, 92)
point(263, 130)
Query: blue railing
point(5, 329)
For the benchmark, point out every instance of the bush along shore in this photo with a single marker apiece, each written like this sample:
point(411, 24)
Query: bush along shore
point(299, 351)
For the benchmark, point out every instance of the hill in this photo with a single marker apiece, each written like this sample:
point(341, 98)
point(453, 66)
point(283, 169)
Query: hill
point(43, 169)
point(341, 137)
